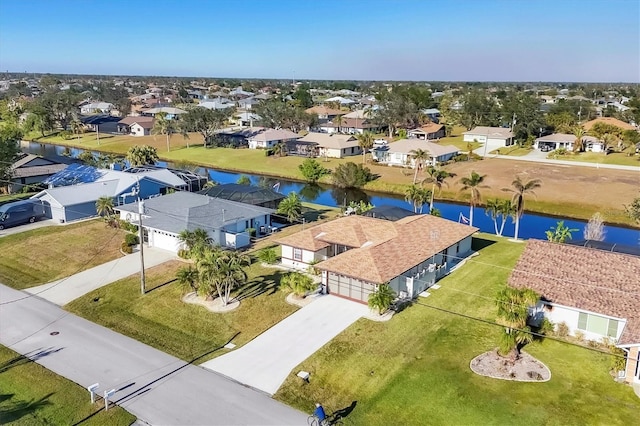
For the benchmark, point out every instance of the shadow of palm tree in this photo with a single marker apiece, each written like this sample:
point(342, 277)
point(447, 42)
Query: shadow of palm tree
point(27, 358)
point(11, 411)
point(260, 285)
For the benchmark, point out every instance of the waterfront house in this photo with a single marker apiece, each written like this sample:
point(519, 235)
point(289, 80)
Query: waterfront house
point(333, 145)
point(399, 153)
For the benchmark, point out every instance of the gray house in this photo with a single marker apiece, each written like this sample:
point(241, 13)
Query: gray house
point(226, 222)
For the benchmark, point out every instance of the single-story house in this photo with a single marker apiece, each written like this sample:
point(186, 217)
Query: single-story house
point(593, 292)
point(247, 103)
point(333, 145)
point(341, 100)
point(73, 192)
point(248, 194)
point(491, 137)
point(399, 153)
point(246, 119)
point(96, 108)
point(217, 103)
point(30, 169)
point(227, 222)
point(136, 126)
point(171, 112)
point(323, 112)
point(268, 138)
point(566, 141)
point(350, 126)
point(428, 131)
point(356, 253)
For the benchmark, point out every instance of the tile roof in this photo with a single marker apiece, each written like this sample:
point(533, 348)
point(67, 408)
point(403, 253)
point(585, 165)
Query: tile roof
point(323, 110)
point(382, 249)
point(584, 278)
point(435, 150)
point(428, 128)
point(557, 137)
point(492, 132)
point(331, 140)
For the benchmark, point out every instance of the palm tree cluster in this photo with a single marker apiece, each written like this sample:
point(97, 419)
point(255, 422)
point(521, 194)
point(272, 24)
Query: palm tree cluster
point(513, 313)
point(417, 196)
point(217, 272)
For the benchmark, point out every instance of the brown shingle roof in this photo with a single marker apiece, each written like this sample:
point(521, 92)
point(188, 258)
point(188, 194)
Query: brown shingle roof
point(383, 249)
point(129, 120)
point(608, 120)
point(584, 278)
point(323, 110)
point(428, 128)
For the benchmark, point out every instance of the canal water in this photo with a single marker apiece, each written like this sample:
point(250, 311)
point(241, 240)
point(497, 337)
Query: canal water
point(531, 225)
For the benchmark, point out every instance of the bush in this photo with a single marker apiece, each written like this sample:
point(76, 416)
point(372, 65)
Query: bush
point(268, 152)
point(65, 134)
point(131, 239)
point(183, 253)
point(268, 255)
point(312, 170)
point(126, 248)
point(579, 335)
point(562, 330)
point(252, 232)
point(127, 226)
point(299, 283)
point(460, 157)
point(351, 175)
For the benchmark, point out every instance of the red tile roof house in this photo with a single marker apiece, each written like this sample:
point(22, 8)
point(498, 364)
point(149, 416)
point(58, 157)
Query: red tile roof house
point(428, 131)
point(358, 253)
point(591, 291)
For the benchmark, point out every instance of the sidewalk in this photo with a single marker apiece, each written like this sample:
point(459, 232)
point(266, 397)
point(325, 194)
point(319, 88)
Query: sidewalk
point(67, 289)
point(157, 388)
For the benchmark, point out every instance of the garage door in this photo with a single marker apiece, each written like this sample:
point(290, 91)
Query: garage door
point(350, 288)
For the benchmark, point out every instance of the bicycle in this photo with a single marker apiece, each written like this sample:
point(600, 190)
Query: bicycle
point(312, 420)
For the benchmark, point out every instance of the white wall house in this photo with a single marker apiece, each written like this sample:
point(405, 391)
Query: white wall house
point(97, 108)
point(491, 137)
point(228, 223)
point(268, 138)
point(400, 153)
point(358, 253)
point(594, 293)
point(333, 145)
point(141, 129)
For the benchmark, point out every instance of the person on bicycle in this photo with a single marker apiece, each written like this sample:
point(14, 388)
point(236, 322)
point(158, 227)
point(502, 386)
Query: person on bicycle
point(319, 413)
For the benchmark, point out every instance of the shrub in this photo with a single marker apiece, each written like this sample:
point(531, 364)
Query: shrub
point(618, 359)
point(579, 335)
point(298, 283)
point(268, 255)
point(382, 298)
point(126, 248)
point(562, 329)
point(65, 134)
point(312, 170)
point(131, 239)
point(268, 152)
point(351, 175)
point(252, 232)
point(183, 253)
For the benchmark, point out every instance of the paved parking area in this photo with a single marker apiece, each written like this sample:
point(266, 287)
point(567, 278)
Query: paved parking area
point(27, 227)
point(266, 361)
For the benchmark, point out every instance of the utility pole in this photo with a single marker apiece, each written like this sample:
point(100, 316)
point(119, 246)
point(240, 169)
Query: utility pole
point(579, 114)
point(141, 237)
point(98, 134)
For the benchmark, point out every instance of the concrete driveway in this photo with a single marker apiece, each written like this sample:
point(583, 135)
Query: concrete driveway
point(266, 361)
point(157, 388)
point(27, 227)
point(67, 289)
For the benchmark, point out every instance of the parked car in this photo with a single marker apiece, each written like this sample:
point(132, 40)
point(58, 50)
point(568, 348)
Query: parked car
point(19, 212)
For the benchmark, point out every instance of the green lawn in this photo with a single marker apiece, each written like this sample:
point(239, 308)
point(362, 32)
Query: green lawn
point(32, 395)
point(46, 254)
point(160, 319)
point(620, 158)
point(14, 197)
point(514, 150)
point(414, 369)
point(456, 139)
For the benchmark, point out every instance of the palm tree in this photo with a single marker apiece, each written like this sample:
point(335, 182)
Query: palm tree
point(578, 144)
point(419, 156)
point(365, 140)
point(560, 233)
point(417, 196)
point(195, 242)
point(104, 206)
point(164, 126)
point(338, 122)
point(437, 179)
point(291, 207)
point(513, 312)
point(472, 183)
point(280, 149)
point(77, 127)
point(207, 266)
point(499, 210)
point(519, 189)
point(298, 283)
point(188, 278)
point(140, 155)
point(230, 273)
point(382, 298)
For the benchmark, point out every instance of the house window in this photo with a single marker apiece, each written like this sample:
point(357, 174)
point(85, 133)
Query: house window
point(598, 324)
point(297, 254)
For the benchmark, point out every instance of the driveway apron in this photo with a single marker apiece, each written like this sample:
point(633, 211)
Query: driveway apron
point(266, 361)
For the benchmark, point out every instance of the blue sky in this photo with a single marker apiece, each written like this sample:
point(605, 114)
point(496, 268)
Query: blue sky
point(517, 40)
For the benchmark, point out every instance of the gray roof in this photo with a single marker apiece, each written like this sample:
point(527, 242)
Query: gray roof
point(491, 132)
point(79, 194)
point(181, 211)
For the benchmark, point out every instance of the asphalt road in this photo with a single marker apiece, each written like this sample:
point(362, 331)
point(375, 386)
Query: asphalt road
point(157, 388)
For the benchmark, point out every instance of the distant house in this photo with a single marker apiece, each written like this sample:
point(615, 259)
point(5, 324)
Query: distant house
point(341, 100)
point(73, 192)
point(399, 153)
point(30, 169)
point(227, 223)
point(171, 112)
point(248, 194)
point(356, 253)
point(608, 120)
point(350, 126)
point(428, 131)
point(245, 119)
point(593, 292)
point(268, 138)
point(567, 141)
point(324, 113)
point(247, 103)
point(217, 103)
point(240, 94)
point(491, 137)
point(333, 145)
point(136, 126)
point(387, 212)
point(96, 108)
